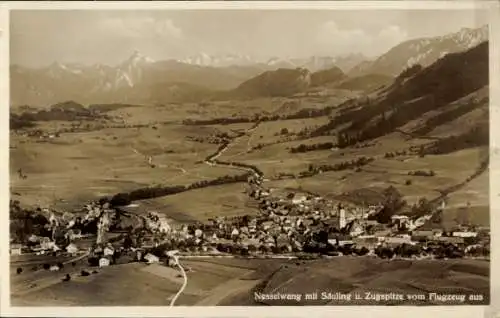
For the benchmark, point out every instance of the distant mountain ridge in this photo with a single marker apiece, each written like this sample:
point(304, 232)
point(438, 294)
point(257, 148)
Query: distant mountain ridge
point(423, 51)
point(419, 92)
point(127, 82)
point(282, 82)
point(313, 63)
point(141, 80)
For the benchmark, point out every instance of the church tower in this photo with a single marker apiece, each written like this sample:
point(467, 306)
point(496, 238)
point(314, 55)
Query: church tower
point(342, 220)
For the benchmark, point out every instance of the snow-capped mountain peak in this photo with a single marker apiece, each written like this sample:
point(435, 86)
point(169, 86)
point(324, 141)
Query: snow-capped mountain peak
point(137, 58)
point(223, 60)
point(423, 51)
point(468, 37)
point(131, 71)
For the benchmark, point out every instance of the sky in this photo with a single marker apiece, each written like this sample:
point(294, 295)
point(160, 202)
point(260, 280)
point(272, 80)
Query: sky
point(39, 38)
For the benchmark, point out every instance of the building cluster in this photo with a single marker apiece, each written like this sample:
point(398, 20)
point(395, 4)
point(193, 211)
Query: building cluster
point(293, 222)
point(287, 223)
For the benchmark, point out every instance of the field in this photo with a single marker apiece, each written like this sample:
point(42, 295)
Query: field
point(234, 281)
point(248, 174)
point(79, 166)
point(66, 171)
point(224, 200)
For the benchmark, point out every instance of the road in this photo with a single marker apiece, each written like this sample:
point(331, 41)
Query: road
point(184, 284)
point(212, 159)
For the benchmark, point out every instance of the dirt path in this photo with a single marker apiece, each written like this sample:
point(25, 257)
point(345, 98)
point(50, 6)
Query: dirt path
point(184, 284)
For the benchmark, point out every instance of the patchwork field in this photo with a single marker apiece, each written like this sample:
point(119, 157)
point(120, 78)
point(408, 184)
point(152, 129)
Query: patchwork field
point(233, 282)
point(80, 166)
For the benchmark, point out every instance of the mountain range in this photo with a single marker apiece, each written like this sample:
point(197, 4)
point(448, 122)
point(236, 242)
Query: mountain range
point(423, 51)
point(313, 63)
point(142, 80)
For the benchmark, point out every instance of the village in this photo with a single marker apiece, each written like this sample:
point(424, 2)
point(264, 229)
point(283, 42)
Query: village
point(292, 225)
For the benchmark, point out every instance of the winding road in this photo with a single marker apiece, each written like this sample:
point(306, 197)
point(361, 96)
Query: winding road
point(212, 161)
point(184, 284)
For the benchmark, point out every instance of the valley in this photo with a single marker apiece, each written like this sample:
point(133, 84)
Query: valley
point(262, 178)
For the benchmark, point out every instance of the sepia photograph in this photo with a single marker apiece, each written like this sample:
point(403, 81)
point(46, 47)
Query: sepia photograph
point(237, 157)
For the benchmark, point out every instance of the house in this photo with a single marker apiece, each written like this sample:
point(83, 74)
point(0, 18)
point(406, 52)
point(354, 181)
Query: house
point(464, 234)
point(46, 243)
point(150, 258)
point(34, 239)
point(170, 262)
point(395, 240)
point(235, 233)
point(451, 239)
point(16, 249)
point(54, 268)
point(354, 228)
point(75, 234)
point(399, 217)
point(171, 253)
point(71, 249)
point(380, 235)
point(299, 199)
point(472, 247)
point(164, 227)
point(422, 235)
point(103, 262)
point(345, 242)
point(400, 221)
point(267, 225)
point(108, 251)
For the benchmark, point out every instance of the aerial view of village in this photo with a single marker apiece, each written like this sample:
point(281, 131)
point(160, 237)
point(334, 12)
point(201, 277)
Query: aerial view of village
point(249, 157)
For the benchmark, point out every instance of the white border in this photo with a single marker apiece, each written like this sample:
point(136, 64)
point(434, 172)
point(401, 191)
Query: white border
point(239, 5)
point(320, 311)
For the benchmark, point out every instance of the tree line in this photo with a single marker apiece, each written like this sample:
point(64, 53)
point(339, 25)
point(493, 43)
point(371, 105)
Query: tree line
point(474, 137)
point(301, 114)
point(449, 116)
point(126, 198)
point(314, 147)
point(350, 164)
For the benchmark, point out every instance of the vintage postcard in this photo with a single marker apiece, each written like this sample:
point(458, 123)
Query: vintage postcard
point(221, 158)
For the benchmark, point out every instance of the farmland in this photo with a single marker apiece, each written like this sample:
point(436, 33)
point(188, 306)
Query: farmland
point(234, 281)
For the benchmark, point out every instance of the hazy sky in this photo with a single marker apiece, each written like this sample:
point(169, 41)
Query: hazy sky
point(39, 38)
